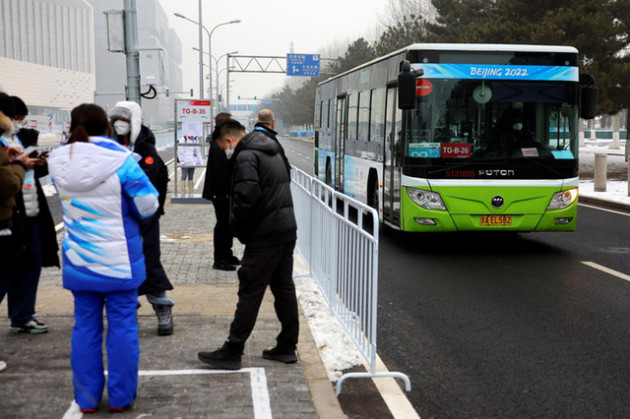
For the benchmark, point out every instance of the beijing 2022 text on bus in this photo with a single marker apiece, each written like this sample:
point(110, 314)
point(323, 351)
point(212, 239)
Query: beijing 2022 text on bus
point(458, 137)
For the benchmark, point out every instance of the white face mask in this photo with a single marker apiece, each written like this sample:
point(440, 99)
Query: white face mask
point(229, 152)
point(518, 126)
point(122, 127)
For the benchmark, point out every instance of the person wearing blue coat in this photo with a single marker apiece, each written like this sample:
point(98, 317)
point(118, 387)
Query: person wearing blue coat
point(104, 194)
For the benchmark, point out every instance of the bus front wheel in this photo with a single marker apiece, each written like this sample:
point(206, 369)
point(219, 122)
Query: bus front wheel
point(372, 197)
point(328, 174)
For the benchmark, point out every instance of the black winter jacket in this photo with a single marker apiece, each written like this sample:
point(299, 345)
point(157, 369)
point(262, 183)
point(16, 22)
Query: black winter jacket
point(217, 184)
point(152, 164)
point(47, 232)
point(262, 207)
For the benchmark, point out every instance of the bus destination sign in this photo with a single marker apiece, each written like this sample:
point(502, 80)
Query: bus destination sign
point(498, 72)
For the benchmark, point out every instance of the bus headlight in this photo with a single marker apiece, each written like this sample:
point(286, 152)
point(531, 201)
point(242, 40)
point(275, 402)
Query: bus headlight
point(563, 199)
point(426, 199)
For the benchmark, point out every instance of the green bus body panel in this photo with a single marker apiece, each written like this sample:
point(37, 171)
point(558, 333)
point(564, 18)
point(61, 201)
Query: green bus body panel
point(526, 204)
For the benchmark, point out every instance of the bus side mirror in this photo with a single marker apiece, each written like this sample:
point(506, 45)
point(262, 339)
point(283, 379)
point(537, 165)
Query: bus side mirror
point(407, 85)
point(588, 97)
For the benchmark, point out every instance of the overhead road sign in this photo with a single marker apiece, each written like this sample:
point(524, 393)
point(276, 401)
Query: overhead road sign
point(306, 65)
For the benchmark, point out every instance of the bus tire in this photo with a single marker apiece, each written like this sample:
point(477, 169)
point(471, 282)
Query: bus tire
point(372, 190)
point(328, 178)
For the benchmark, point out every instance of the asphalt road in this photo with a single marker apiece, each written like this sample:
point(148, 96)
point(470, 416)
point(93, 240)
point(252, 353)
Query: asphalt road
point(507, 325)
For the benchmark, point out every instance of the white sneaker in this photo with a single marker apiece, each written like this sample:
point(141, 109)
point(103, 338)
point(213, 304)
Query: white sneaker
point(3, 366)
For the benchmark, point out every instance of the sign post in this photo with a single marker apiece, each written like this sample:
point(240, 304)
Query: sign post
point(192, 121)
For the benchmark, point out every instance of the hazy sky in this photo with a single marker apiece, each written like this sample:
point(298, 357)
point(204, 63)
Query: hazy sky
point(267, 28)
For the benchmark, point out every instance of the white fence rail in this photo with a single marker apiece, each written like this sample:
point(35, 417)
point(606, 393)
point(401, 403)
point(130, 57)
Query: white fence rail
point(338, 239)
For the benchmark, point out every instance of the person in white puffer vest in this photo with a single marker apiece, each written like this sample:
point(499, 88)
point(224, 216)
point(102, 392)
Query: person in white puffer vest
point(104, 194)
point(188, 157)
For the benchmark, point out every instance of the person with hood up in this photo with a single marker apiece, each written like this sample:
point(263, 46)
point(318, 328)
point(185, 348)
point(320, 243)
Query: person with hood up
point(104, 195)
point(12, 172)
point(126, 118)
point(32, 218)
point(189, 156)
point(262, 218)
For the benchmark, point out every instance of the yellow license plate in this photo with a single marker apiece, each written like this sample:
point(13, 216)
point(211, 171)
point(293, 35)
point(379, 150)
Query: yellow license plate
point(496, 220)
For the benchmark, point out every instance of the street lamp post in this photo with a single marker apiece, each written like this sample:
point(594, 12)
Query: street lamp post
point(227, 106)
point(209, 33)
point(210, 52)
point(217, 71)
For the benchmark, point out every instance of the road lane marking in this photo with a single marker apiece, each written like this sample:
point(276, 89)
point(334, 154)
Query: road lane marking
point(607, 270)
point(58, 227)
point(202, 177)
point(605, 209)
point(168, 163)
point(395, 399)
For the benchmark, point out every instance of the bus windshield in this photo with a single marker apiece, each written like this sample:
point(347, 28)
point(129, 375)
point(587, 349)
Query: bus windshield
point(485, 120)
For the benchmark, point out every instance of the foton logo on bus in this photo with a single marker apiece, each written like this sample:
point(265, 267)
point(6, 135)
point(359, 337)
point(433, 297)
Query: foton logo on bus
point(455, 150)
point(496, 173)
point(423, 87)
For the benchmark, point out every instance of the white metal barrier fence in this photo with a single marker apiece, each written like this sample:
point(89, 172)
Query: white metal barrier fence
point(338, 239)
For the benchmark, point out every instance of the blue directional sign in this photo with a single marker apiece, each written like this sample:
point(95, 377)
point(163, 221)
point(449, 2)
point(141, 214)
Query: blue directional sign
point(306, 65)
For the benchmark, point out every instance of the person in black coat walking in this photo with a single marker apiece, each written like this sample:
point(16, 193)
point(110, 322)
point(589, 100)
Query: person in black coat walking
point(126, 117)
point(216, 188)
point(262, 218)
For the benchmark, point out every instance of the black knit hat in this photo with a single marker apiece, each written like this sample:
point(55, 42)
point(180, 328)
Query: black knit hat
point(7, 106)
point(20, 106)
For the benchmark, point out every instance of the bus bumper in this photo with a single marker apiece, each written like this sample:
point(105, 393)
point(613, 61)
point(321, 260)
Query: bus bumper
point(417, 219)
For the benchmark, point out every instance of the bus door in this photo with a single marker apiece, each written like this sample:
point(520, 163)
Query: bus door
point(390, 160)
point(340, 142)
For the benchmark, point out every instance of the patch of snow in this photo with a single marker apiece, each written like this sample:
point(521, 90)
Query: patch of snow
point(336, 349)
point(616, 191)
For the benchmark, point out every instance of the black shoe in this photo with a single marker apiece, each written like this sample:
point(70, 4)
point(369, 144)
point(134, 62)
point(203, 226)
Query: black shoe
point(223, 265)
point(233, 260)
point(277, 353)
point(222, 358)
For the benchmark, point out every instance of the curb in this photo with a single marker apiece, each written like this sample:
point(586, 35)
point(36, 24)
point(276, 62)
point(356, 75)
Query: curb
point(322, 392)
point(603, 202)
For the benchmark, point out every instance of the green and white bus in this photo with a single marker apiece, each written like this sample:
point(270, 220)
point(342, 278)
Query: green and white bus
point(458, 137)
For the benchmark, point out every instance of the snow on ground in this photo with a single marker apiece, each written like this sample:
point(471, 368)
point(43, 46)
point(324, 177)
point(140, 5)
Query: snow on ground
point(616, 191)
point(617, 166)
point(336, 349)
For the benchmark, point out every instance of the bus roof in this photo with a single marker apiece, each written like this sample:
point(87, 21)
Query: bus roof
point(493, 47)
point(465, 47)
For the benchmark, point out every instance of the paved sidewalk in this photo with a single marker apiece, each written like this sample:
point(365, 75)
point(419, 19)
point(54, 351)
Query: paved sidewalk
point(173, 383)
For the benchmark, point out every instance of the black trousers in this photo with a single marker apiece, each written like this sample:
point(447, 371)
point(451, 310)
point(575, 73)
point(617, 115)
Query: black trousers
point(260, 267)
point(7, 264)
point(156, 281)
point(222, 234)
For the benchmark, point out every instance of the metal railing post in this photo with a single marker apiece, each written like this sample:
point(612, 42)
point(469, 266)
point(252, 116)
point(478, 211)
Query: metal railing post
point(344, 263)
